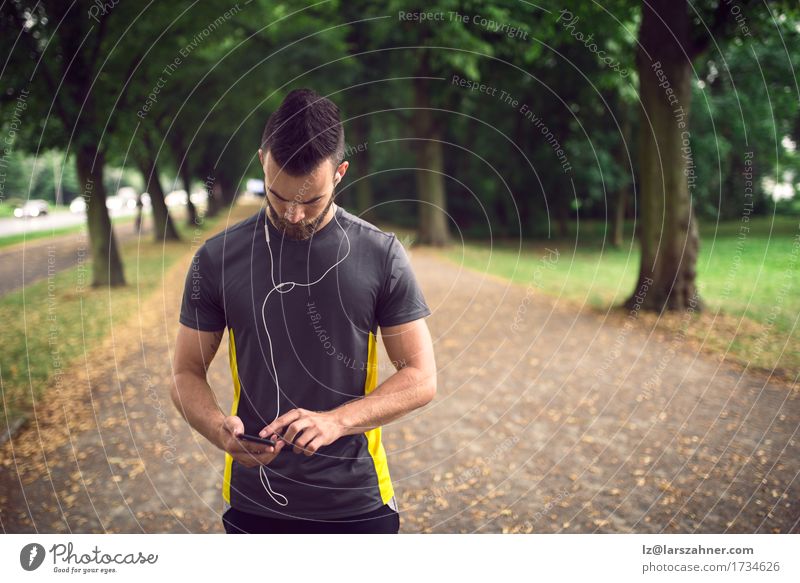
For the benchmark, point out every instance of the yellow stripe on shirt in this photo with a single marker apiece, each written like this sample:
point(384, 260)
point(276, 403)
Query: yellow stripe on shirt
point(226, 483)
point(374, 435)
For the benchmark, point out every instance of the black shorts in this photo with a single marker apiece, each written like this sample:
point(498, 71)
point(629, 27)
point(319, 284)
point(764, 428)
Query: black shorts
point(384, 520)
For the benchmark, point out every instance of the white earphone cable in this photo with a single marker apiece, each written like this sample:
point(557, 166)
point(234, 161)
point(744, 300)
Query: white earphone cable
point(278, 288)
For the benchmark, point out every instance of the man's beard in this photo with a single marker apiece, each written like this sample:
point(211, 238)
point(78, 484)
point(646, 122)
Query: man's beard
point(297, 231)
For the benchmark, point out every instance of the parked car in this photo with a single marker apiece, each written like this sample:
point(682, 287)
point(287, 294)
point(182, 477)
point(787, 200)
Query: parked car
point(125, 198)
point(199, 197)
point(176, 198)
point(77, 206)
point(129, 196)
point(32, 208)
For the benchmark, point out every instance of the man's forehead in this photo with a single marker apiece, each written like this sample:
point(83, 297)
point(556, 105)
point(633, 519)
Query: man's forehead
point(319, 174)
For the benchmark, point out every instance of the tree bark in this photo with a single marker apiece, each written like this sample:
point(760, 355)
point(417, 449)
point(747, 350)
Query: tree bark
point(181, 156)
point(430, 166)
point(669, 234)
point(107, 267)
point(430, 185)
point(620, 204)
point(191, 210)
point(361, 158)
point(228, 191)
point(214, 194)
point(562, 213)
point(163, 228)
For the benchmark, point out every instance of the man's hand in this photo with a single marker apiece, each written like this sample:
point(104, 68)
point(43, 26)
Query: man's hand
point(246, 453)
point(306, 430)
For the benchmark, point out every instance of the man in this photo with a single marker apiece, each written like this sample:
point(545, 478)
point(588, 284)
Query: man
point(302, 287)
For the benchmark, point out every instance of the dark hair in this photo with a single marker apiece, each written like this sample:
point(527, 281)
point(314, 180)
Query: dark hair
point(304, 131)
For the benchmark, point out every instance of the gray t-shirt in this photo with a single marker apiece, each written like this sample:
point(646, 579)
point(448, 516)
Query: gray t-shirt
point(322, 339)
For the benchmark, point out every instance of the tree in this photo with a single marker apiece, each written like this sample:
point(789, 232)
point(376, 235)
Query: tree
point(670, 39)
point(669, 234)
point(66, 53)
point(163, 227)
point(429, 49)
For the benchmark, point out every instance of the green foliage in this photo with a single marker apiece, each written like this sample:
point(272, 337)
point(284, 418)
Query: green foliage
point(200, 79)
point(744, 104)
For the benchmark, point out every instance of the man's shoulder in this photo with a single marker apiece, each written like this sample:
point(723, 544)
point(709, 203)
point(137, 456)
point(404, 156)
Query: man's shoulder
point(365, 229)
point(235, 233)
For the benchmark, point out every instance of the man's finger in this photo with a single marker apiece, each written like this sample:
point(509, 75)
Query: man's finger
point(268, 456)
point(248, 447)
point(234, 425)
point(280, 422)
point(301, 442)
point(312, 447)
point(295, 428)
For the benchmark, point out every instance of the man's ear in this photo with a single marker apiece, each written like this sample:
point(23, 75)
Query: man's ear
point(340, 171)
point(261, 156)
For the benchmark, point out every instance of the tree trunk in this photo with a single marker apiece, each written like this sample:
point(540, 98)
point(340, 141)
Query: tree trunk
point(620, 204)
point(191, 210)
point(618, 228)
point(669, 234)
point(163, 228)
point(139, 213)
point(361, 158)
point(214, 194)
point(563, 197)
point(229, 189)
point(562, 213)
point(181, 156)
point(430, 185)
point(430, 166)
point(106, 264)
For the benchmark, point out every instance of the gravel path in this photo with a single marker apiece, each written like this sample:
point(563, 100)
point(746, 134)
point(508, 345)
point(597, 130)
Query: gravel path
point(547, 419)
point(22, 264)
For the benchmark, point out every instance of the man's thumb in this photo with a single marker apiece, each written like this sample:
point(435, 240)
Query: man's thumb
point(234, 425)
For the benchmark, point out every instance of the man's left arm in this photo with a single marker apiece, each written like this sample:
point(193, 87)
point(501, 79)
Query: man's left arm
point(410, 348)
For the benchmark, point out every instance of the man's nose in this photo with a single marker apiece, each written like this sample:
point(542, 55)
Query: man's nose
point(294, 214)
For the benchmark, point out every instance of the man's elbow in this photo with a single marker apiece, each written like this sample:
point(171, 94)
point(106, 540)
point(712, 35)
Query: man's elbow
point(175, 393)
point(430, 393)
point(427, 388)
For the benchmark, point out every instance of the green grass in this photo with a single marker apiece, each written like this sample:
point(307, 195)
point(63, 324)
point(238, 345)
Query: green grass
point(9, 240)
point(604, 277)
point(6, 210)
point(34, 344)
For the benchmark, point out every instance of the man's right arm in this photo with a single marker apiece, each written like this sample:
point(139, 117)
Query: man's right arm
point(196, 401)
point(191, 393)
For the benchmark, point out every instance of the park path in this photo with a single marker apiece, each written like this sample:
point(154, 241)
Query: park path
point(548, 418)
point(24, 263)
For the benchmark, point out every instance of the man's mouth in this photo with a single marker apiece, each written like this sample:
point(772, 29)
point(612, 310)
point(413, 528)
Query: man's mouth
point(297, 232)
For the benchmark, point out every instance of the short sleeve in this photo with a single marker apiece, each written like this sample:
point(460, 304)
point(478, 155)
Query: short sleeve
point(201, 307)
point(401, 298)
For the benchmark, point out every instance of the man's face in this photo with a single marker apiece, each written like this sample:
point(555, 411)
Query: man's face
point(298, 204)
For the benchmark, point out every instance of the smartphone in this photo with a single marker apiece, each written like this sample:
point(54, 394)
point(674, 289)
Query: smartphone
point(256, 439)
